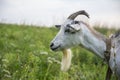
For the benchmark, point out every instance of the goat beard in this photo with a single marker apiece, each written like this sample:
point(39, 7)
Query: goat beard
point(66, 59)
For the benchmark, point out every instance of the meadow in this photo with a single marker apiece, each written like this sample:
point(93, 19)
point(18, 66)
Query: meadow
point(25, 55)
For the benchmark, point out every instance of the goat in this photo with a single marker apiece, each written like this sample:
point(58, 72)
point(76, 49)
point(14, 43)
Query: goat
point(74, 32)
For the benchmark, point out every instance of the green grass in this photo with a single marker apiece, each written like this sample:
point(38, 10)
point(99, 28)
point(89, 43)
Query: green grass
point(25, 55)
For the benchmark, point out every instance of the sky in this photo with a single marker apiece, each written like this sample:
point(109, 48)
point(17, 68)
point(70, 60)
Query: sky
point(51, 12)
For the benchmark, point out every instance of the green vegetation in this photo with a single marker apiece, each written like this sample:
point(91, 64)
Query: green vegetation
point(25, 55)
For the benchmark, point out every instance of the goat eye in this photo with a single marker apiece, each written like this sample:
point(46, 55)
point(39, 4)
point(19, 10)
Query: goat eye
point(70, 29)
point(67, 30)
point(76, 22)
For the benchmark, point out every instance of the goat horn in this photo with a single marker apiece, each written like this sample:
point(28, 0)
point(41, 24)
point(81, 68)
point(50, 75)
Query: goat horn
point(74, 15)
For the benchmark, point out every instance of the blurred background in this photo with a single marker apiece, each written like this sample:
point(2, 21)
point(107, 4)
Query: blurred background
point(51, 12)
point(26, 32)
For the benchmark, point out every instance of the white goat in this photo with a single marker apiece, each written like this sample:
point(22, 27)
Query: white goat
point(74, 33)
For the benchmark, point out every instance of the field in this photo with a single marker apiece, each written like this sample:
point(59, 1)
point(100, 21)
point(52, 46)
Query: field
point(25, 55)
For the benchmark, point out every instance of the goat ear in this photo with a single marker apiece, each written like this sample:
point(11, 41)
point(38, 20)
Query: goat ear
point(58, 26)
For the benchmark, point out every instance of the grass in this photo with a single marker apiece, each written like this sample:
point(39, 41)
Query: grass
point(25, 55)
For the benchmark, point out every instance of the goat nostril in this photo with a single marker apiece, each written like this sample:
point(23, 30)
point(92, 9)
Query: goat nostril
point(51, 44)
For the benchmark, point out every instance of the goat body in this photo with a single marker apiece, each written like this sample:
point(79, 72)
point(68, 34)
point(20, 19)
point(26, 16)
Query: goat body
point(115, 54)
point(76, 32)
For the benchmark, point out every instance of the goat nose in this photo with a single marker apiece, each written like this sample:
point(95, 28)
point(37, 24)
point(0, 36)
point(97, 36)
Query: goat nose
point(51, 44)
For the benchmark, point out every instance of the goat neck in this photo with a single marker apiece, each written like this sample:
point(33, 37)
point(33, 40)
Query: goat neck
point(93, 41)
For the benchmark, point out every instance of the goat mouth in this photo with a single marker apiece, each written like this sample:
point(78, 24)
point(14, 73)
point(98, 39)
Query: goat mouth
point(56, 48)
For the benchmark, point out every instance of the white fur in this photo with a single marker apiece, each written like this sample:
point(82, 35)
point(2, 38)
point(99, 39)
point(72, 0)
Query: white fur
point(82, 18)
point(86, 37)
point(83, 37)
point(92, 43)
